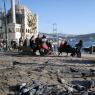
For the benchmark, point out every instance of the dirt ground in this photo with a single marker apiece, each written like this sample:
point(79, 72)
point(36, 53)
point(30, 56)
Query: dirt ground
point(45, 70)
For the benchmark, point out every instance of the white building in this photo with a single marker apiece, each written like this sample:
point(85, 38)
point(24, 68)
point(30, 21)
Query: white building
point(21, 22)
point(2, 26)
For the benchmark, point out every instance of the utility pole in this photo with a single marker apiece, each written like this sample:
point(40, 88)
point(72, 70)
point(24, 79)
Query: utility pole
point(5, 22)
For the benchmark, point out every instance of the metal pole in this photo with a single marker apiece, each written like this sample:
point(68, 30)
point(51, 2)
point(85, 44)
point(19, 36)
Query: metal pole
point(1, 21)
point(5, 24)
point(54, 32)
point(92, 49)
point(57, 36)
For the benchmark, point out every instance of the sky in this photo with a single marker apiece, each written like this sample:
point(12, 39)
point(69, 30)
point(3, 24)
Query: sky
point(71, 16)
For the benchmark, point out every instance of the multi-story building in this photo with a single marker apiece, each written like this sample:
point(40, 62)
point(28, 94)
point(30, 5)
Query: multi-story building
point(21, 22)
point(2, 25)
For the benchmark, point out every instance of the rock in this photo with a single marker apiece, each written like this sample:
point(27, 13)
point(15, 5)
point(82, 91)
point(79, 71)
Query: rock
point(40, 90)
point(34, 86)
point(70, 89)
point(22, 85)
point(79, 87)
point(92, 70)
point(83, 75)
point(73, 70)
point(92, 82)
point(24, 90)
point(60, 80)
point(32, 92)
point(84, 93)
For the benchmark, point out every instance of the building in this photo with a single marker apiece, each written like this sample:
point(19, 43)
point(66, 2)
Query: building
point(21, 22)
point(2, 26)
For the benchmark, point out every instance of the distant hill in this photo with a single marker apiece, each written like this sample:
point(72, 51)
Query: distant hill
point(59, 34)
point(85, 37)
point(89, 36)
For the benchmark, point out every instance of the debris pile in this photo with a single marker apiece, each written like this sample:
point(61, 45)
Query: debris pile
point(47, 76)
point(68, 89)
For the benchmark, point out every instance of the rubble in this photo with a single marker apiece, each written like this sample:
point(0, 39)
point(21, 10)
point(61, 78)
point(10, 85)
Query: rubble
point(46, 76)
point(40, 89)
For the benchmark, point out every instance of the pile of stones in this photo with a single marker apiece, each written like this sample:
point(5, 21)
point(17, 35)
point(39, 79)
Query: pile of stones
point(40, 89)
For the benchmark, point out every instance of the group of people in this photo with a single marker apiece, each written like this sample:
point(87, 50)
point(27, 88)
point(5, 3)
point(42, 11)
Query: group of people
point(2, 45)
point(66, 47)
point(45, 46)
point(40, 43)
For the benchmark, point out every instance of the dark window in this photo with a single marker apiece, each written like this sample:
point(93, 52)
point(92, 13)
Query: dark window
point(19, 18)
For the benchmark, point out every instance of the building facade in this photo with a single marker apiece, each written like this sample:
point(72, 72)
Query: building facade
point(21, 22)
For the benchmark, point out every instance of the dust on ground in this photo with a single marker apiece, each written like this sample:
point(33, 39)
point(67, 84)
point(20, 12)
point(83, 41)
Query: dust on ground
point(45, 70)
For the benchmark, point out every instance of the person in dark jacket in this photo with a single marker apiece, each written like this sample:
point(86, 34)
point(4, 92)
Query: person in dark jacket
point(79, 46)
point(25, 42)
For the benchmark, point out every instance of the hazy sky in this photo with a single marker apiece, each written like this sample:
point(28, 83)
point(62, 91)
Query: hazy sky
point(71, 16)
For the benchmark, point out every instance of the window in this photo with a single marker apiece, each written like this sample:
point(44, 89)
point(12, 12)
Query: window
point(13, 30)
point(28, 31)
point(9, 30)
point(22, 30)
point(17, 29)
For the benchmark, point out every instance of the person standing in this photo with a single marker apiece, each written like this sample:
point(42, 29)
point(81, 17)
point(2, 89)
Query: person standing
point(79, 46)
point(21, 41)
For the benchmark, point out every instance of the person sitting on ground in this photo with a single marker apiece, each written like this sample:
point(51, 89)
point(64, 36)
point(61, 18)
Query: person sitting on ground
point(63, 45)
point(44, 43)
point(66, 47)
point(44, 39)
point(49, 45)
